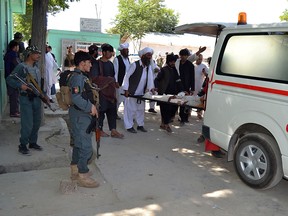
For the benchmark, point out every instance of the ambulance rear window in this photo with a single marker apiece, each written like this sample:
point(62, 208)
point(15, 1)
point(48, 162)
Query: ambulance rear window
point(255, 56)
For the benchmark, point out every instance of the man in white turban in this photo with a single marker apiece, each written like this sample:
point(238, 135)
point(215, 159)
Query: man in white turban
point(121, 66)
point(137, 81)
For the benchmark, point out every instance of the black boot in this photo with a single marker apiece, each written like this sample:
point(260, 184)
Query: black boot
point(35, 146)
point(23, 150)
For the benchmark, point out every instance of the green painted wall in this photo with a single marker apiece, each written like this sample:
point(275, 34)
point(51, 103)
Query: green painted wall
point(7, 8)
point(4, 35)
point(59, 40)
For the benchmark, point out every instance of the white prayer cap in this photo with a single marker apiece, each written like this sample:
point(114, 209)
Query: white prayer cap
point(145, 51)
point(123, 46)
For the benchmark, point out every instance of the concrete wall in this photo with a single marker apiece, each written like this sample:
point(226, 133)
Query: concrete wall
point(59, 40)
point(162, 43)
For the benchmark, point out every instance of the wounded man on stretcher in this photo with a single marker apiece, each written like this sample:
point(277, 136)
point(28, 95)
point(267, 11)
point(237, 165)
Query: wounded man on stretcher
point(180, 99)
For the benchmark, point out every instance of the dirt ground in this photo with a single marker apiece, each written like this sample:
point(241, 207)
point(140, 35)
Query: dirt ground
point(149, 174)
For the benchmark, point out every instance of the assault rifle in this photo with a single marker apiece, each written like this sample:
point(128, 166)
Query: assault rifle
point(94, 126)
point(35, 91)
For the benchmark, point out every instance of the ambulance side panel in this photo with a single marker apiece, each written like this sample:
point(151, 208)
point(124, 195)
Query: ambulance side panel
point(248, 88)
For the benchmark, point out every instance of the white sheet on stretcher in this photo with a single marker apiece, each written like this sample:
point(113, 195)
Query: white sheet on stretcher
point(193, 101)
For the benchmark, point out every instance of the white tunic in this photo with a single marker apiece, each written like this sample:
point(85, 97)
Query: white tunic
point(119, 91)
point(155, 70)
point(199, 76)
point(50, 66)
point(134, 109)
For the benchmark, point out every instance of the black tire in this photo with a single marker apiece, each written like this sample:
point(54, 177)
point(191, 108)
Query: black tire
point(257, 160)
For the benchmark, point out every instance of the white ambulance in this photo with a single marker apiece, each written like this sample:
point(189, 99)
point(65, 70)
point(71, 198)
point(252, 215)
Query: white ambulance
point(247, 99)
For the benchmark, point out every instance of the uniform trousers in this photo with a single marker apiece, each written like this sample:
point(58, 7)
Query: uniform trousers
point(30, 119)
point(82, 149)
point(133, 109)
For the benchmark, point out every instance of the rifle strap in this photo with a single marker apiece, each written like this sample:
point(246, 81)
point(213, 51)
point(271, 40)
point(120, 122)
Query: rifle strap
point(94, 92)
point(31, 79)
point(101, 67)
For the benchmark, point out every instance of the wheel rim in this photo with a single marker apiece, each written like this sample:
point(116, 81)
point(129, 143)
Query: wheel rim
point(253, 162)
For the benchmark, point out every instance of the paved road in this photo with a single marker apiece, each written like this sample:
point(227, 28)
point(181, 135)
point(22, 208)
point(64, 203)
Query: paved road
point(151, 174)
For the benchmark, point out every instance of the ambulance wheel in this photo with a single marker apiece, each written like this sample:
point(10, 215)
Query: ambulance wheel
point(257, 160)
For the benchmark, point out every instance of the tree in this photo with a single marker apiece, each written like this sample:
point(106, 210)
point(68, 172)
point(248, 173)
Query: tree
point(166, 21)
point(137, 17)
point(23, 22)
point(284, 16)
point(39, 28)
point(33, 24)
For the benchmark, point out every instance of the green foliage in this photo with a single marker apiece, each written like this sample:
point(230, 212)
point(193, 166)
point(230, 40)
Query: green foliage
point(284, 16)
point(55, 6)
point(23, 23)
point(137, 17)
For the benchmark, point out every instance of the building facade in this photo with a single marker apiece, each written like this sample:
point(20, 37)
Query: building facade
point(59, 40)
point(7, 8)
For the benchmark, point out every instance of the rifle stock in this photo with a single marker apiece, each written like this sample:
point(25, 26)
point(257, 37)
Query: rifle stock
point(94, 126)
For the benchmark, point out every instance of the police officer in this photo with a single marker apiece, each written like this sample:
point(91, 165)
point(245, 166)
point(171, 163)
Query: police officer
point(30, 104)
point(80, 114)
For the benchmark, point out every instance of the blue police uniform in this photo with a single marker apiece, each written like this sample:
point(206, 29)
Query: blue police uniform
point(79, 114)
point(30, 106)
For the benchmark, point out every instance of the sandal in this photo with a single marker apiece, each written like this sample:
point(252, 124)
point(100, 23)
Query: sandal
point(199, 116)
point(116, 134)
point(168, 129)
point(103, 134)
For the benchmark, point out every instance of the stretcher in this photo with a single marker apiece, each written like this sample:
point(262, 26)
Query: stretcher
point(180, 100)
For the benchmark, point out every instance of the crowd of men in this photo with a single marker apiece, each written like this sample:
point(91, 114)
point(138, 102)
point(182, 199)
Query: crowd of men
point(116, 82)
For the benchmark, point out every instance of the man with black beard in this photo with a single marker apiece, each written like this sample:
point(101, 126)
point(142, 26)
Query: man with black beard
point(168, 82)
point(93, 52)
point(137, 81)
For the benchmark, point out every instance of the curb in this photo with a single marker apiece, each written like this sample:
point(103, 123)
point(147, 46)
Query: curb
point(53, 136)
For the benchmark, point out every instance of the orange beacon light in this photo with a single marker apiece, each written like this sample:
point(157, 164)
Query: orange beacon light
point(242, 18)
